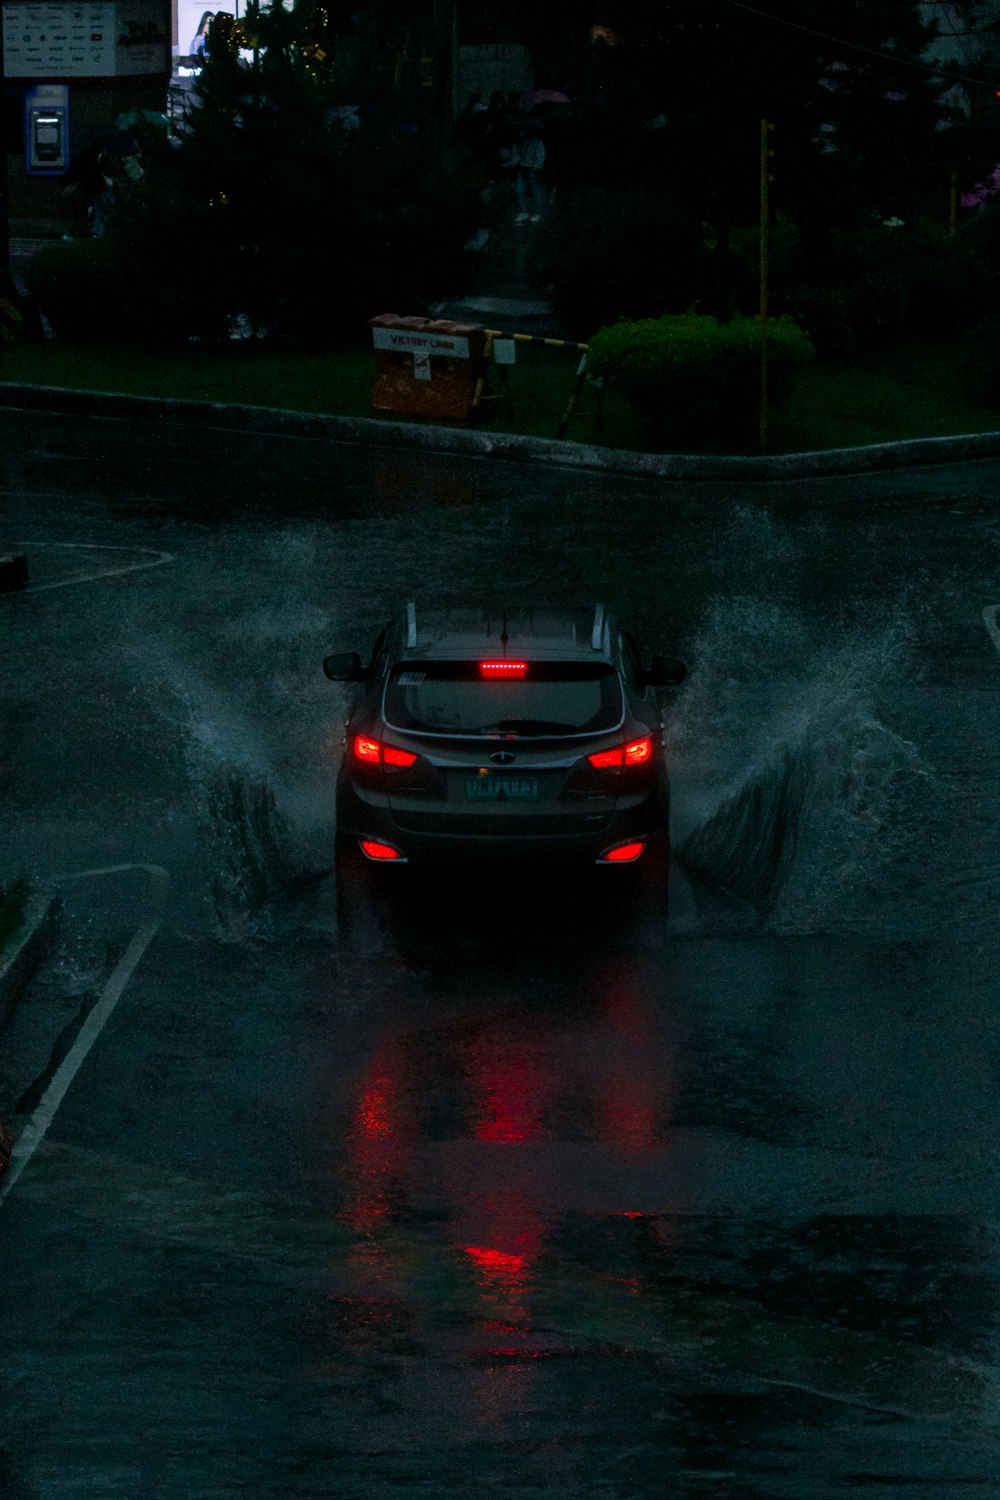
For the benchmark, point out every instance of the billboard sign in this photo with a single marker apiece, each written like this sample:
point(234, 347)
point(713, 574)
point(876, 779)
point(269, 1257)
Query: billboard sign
point(100, 39)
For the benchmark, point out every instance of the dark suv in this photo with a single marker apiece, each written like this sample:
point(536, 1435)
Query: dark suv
point(532, 735)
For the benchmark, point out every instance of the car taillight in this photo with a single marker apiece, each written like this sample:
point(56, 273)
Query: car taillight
point(622, 854)
point(374, 753)
point(393, 756)
point(635, 753)
point(376, 849)
point(638, 751)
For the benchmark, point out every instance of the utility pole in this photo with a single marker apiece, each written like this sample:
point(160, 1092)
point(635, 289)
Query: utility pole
point(6, 281)
point(953, 203)
point(766, 178)
point(446, 52)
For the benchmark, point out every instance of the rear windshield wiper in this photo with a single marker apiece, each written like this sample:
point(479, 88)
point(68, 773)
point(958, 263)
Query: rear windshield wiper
point(527, 726)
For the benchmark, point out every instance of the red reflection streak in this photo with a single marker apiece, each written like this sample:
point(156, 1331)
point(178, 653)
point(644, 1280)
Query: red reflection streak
point(511, 1089)
point(374, 1118)
point(496, 1260)
point(504, 1278)
point(504, 1235)
point(632, 1088)
point(500, 1228)
point(379, 1141)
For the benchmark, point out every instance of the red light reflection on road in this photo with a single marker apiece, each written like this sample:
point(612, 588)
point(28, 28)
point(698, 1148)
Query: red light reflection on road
point(500, 1227)
point(632, 1086)
point(496, 1261)
point(380, 1138)
point(511, 1086)
point(517, 1079)
point(375, 1110)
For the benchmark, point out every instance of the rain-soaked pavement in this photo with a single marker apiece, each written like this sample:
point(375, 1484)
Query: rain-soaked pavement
point(517, 1195)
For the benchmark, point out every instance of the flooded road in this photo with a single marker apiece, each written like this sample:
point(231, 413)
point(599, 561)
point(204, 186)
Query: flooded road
point(514, 1195)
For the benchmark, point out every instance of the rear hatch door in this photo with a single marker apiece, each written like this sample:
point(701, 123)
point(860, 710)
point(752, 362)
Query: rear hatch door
point(523, 768)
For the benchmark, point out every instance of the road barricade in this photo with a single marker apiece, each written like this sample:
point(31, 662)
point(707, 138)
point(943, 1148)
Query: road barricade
point(427, 367)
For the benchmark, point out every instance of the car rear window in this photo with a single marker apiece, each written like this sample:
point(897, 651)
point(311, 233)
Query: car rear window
point(552, 698)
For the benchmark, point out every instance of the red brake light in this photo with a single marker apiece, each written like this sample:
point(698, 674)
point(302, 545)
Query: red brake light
point(638, 751)
point(393, 756)
point(623, 853)
point(633, 754)
point(374, 753)
point(503, 669)
point(377, 850)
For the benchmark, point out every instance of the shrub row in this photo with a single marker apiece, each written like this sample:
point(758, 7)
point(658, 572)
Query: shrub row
point(619, 253)
point(691, 378)
point(367, 223)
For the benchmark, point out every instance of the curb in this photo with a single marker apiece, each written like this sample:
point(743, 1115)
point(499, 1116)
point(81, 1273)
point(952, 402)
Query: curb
point(30, 946)
point(508, 447)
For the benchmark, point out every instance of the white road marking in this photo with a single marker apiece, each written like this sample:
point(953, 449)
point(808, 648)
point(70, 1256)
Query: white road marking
point(990, 621)
point(38, 1123)
point(158, 559)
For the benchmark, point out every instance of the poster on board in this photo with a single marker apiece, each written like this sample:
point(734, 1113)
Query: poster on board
point(101, 39)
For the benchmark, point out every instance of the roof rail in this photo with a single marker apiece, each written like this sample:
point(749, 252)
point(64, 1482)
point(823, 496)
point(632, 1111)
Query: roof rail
point(411, 625)
point(597, 635)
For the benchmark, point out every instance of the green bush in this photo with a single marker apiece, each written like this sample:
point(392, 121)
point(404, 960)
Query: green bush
point(72, 283)
point(869, 290)
point(373, 226)
point(863, 316)
point(979, 372)
point(11, 321)
point(690, 377)
point(980, 239)
point(945, 284)
point(105, 290)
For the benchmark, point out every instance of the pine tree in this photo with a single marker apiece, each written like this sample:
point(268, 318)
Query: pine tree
point(285, 213)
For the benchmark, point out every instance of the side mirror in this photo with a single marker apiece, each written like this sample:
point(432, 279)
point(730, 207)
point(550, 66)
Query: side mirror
point(665, 671)
point(344, 667)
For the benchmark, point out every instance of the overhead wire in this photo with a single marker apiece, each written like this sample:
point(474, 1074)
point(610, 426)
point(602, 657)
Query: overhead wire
point(889, 57)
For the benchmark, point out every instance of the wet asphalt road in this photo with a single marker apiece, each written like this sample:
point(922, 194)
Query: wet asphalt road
point(513, 1197)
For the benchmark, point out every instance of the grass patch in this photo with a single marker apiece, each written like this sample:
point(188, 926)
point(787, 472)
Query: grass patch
point(909, 394)
point(339, 382)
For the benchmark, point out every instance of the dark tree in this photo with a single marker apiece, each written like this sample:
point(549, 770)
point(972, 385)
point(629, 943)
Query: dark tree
point(861, 132)
point(285, 208)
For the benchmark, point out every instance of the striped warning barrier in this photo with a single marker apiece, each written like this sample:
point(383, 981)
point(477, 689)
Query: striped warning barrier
point(495, 336)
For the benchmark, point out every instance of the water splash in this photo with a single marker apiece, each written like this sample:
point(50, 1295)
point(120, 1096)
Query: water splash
point(805, 794)
point(261, 832)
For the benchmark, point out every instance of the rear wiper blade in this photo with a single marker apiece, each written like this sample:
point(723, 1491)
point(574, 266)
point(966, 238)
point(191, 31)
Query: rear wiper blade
point(527, 726)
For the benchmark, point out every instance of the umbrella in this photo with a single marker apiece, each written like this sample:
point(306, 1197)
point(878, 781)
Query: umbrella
point(542, 96)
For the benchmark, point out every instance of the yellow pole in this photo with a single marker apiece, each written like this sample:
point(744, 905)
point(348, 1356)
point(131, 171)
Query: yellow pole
point(766, 153)
point(477, 396)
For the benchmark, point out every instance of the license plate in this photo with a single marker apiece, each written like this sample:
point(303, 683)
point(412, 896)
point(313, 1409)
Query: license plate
point(501, 788)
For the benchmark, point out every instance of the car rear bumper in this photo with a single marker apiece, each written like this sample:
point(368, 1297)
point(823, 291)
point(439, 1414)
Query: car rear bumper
point(357, 820)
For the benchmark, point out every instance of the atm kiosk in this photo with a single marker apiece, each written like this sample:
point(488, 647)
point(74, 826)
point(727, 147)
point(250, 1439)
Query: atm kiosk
point(46, 129)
